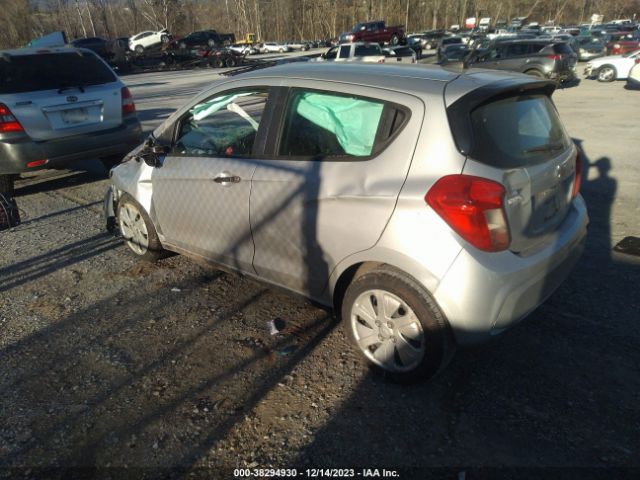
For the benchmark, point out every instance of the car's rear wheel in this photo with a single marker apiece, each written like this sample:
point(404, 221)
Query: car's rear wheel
point(606, 73)
point(137, 230)
point(164, 39)
point(396, 325)
point(139, 49)
point(282, 50)
point(7, 185)
point(211, 42)
point(231, 62)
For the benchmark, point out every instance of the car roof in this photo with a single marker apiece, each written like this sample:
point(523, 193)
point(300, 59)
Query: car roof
point(410, 78)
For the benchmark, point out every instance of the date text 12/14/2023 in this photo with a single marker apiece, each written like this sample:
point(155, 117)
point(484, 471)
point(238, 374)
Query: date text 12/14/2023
point(315, 473)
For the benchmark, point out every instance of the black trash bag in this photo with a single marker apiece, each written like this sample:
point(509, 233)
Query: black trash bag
point(9, 214)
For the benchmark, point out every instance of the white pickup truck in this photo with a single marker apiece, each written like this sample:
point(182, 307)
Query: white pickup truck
point(354, 52)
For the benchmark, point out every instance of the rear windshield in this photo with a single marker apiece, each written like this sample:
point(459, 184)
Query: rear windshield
point(517, 131)
point(48, 71)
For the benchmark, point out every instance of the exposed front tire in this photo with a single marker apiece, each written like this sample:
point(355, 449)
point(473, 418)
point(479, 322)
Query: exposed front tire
point(137, 230)
point(231, 62)
point(394, 40)
point(396, 325)
point(139, 49)
point(607, 73)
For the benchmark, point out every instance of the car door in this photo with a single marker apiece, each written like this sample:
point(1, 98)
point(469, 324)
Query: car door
point(327, 189)
point(201, 191)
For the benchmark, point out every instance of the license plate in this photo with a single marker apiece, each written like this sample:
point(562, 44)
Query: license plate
point(74, 115)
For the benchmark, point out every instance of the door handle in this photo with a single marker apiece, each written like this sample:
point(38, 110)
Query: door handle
point(226, 179)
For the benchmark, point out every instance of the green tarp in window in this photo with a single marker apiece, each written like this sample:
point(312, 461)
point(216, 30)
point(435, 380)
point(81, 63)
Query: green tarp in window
point(203, 110)
point(353, 121)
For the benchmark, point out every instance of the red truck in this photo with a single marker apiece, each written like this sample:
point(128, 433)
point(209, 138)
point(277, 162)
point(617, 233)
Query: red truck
point(374, 32)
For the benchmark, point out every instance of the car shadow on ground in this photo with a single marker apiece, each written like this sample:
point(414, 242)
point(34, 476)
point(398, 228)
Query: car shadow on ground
point(151, 369)
point(534, 397)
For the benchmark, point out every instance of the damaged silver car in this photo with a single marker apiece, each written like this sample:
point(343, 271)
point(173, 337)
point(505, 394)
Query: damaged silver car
point(428, 208)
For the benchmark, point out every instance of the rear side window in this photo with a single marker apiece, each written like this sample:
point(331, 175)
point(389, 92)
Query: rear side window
point(344, 51)
point(50, 71)
point(517, 131)
point(326, 124)
point(367, 50)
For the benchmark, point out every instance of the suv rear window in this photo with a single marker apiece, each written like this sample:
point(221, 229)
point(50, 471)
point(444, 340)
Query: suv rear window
point(517, 131)
point(49, 71)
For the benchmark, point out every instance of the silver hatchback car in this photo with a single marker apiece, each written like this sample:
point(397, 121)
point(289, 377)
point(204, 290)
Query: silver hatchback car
point(428, 208)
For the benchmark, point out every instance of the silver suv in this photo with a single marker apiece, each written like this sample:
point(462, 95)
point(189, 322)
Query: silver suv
point(426, 207)
point(60, 105)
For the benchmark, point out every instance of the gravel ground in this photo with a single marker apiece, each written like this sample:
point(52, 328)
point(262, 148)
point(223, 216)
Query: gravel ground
point(107, 361)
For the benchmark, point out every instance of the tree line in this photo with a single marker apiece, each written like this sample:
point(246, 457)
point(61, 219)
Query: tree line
point(23, 20)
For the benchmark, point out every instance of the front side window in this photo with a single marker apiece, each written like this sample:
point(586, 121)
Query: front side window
point(225, 125)
point(325, 124)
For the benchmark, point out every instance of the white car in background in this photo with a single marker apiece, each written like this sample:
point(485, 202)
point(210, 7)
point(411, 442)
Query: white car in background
point(274, 47)
point(614, 67)
point(143, 40)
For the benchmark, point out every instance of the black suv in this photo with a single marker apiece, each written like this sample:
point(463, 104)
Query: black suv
point(554, 60)
point(204, 38)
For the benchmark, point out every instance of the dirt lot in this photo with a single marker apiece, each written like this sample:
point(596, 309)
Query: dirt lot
point(106, 361)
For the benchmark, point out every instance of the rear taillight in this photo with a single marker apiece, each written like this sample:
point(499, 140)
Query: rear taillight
point(637, 60)
point(578, 171)
point(474, 208)
point(554, 57)
point(128, 107)
point(8, 123)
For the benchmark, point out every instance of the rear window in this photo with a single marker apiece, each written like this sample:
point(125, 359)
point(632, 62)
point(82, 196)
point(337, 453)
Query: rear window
point(367, 50)
point(517, 131)
point(327, 124)
point(49, 71)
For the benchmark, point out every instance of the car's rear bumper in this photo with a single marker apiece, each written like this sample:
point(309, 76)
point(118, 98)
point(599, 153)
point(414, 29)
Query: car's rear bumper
point(17, 151)
point(482, 294)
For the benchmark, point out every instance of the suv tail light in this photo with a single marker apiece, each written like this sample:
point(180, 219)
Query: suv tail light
point(128, 107)
point(474, 208)
point(8, 123)
point(555, 56)
point(578, 180)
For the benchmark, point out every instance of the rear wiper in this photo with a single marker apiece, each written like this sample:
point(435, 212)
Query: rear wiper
point(71, 87)
point(550, 147)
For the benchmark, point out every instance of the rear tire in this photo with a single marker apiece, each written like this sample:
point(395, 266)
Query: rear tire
point(139, 49)
point(138, 230)
point(396, 325)
point(394, 40)
point(231, 62)
point(607, 73)
point(7, 185)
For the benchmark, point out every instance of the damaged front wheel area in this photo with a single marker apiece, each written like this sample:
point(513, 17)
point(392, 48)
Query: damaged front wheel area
point(137, 229)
